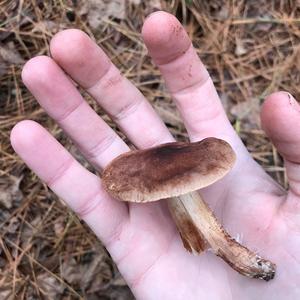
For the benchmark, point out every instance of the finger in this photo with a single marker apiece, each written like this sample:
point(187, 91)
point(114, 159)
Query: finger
point(60, 98)
point(280, 116)
point(186, 77)
point(62, 101)
point(136, 241)
point(200, 107)
point(88, 65)
point(79, 188)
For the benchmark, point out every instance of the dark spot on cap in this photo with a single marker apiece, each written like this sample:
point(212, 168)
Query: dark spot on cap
point(166, 168)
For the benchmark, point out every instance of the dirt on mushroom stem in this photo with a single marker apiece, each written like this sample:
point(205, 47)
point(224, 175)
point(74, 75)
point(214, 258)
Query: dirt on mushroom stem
point(200, 230)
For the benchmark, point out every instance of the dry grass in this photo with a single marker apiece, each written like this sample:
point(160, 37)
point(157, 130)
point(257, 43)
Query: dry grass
point(251, 48)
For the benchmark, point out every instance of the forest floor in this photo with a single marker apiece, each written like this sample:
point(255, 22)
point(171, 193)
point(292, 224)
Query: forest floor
point(251, 49)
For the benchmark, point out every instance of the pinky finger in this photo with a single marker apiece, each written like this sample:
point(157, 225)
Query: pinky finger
point(281, 120)
point(79, 188)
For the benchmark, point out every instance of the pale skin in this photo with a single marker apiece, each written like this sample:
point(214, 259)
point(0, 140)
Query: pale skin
point(142, 239)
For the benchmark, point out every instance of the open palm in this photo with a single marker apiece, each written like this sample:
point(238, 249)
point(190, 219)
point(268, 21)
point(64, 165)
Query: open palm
point(142, 238)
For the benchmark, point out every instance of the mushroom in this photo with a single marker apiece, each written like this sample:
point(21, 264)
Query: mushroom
point(175, 171)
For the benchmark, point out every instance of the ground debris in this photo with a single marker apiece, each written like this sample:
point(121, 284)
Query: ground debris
point(49, 286)
point(250, 49)
point(10, 193)
point(247, 112)
point(10, 54)
point(101, 10)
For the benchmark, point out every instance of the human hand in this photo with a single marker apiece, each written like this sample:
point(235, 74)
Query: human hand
point(142, 239)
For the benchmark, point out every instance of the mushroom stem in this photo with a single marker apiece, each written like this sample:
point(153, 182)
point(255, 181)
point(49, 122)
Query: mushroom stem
point(200, 230)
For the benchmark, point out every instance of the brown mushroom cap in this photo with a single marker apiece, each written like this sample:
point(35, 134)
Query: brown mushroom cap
point(167, 170)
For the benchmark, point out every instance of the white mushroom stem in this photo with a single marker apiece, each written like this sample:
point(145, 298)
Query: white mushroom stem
point(200, 230)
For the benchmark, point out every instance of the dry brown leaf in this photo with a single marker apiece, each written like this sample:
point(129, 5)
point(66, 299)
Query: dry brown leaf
point(118, 280)
point(150, 4)
point(90, 275)
point(168, 114)
point(155, 4)
point(50, 287)
point(115, 293)
point(248, 111)
point(3, 67)
point(13, 225)
point(135, 2)
point(226, 103)
point(70, 271)
point(10, 55)
point(223, 13)
point(99, 10)
point(46, 26)
point(297, 57)
point(240, 48)
point(59, 227)
point(6, 294)
point(10, 192)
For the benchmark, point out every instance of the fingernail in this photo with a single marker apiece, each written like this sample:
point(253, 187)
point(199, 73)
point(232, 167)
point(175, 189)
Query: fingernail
point(293, 102)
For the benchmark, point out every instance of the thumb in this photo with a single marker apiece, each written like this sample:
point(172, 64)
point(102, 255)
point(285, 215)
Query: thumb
point(280, 116)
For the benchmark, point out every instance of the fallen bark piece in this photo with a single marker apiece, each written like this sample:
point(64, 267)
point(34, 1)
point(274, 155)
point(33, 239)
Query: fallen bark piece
point(175, 171)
